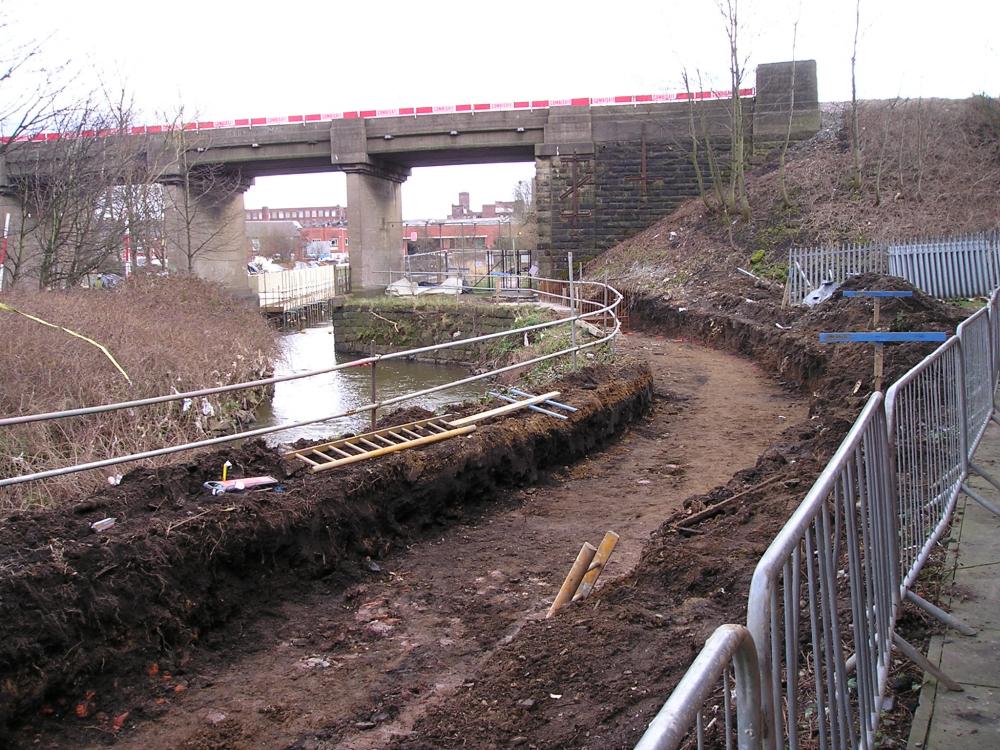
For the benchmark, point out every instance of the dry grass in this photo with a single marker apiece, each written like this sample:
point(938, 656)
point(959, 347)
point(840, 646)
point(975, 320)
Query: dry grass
point(169, 334)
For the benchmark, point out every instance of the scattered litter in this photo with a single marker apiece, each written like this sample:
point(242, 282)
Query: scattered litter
point(104, 523)
point(225, 469)
point(643, 481)
point(237, 485)
point(314, 662)
point(555, 696)
point(206, 408)
point(215, 717)
point(681, 309)
point(783, 328)
point(115, 479)
point(821, 293)
point(186, 404)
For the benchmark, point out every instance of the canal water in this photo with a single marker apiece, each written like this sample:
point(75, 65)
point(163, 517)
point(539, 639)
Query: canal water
point(312, 349)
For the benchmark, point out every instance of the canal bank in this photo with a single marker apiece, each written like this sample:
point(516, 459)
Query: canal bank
point(341, 390)
point(182, 564)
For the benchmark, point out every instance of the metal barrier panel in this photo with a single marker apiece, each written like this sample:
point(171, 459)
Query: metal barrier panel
point(809, 267)
point(976, 338)
point(957, 267)
point(994, 308)
point(927, 439)
point(717, 701)
point(825, 589)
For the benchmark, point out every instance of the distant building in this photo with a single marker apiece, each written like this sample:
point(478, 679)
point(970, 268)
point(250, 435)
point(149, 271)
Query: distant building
point(297, 232)
point(461, 209)
point(464, 229)
point(307, 216)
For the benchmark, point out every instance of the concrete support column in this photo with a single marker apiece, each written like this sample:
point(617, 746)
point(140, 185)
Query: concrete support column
point(205, 234)
point(374, 228)
point(17, 253)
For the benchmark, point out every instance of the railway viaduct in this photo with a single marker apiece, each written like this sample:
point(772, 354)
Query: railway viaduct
point(603, 171)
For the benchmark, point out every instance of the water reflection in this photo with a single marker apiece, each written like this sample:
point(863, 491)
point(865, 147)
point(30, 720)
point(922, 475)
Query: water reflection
point(312, 349)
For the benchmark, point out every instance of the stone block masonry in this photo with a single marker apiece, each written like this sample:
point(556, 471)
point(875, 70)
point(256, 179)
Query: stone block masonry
point(607, 173)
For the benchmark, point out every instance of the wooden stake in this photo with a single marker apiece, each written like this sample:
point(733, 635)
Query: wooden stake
point(573, 578)
point(604, 550)
point(713, 510)
point(879, 365)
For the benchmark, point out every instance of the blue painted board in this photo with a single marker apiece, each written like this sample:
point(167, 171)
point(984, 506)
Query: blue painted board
point(881, 337)
point(873, 293)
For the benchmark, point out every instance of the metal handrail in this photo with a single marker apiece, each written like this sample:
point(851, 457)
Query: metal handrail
point(683, 709)
point(374, 405)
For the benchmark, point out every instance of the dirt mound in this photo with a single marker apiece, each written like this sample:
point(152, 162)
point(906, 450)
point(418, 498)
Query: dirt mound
point(76, 604)
point(594, 676)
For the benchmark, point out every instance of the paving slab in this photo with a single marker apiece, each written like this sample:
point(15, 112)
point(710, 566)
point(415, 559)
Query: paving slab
point(947, 720)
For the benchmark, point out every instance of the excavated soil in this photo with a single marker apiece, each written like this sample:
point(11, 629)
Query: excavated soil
point(404, 607)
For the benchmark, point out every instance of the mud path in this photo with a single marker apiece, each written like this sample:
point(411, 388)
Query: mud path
point(335, 668)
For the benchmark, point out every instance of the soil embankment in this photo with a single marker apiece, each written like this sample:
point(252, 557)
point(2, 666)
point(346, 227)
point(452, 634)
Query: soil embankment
point(80, 611)
point(381, 661)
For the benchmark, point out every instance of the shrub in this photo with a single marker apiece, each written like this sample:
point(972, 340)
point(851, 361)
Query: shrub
point(169, 334)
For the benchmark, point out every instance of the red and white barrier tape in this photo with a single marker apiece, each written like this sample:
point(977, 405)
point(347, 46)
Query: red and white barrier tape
point(371, 114)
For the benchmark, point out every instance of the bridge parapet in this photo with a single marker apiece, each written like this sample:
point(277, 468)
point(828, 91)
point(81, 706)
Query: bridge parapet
point(605, 169)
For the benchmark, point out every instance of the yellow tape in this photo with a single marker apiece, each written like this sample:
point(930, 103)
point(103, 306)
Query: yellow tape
point(71, 333)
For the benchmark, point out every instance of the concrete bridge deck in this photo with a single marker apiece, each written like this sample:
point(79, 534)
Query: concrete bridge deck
point(604, 172)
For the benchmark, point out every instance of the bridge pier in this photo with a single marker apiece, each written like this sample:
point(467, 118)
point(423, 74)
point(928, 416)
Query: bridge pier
point(204, 230)
point(373, 232)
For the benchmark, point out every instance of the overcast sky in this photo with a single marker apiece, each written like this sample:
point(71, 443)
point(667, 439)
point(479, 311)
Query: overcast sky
point(225, 59)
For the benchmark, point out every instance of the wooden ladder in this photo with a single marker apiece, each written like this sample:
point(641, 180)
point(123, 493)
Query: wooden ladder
point(400, 437)
point(378, 443)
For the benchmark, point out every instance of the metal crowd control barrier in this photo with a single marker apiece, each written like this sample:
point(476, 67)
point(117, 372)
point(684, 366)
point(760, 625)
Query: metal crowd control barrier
point(994, 308)
point(927, 438)
point(576, 316)
point(832, 581)
point(825, 588)
point(728, 658)
point(975, 335)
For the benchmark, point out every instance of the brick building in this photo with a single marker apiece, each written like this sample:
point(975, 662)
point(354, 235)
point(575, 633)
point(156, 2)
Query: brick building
point(307, 216)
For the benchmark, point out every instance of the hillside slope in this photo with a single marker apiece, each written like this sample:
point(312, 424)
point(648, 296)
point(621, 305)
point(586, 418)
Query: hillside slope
point(929, 168)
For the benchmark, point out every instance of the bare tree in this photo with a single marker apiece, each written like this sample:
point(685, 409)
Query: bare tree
point(855, 134)
point(791, 114)
point(69, 192)
point(197, 196)
point(736, 197)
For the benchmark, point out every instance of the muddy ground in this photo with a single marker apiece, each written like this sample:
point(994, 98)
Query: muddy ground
point(411, 616)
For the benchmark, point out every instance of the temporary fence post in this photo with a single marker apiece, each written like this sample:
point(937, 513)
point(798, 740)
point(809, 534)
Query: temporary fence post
point(572, 306)
point(921, 661)
point(948, 619)
point(374, 390)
